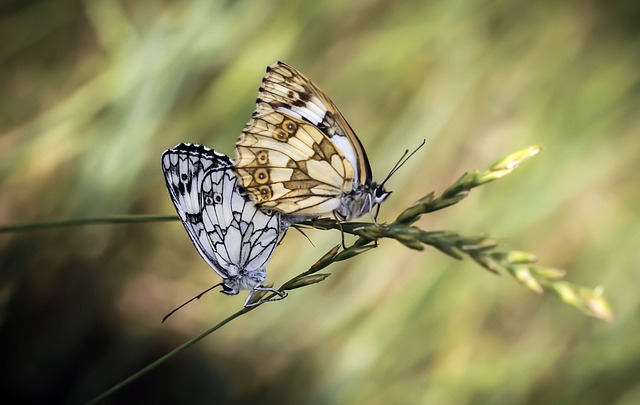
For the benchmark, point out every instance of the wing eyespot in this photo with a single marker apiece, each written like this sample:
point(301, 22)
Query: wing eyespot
point(265, 192)
point(262, 157)
point(289, 126)
point(280, 135)
point(261, 176)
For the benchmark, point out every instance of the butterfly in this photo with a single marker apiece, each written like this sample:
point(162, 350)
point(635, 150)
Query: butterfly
point(299, 156)
point(231, 234)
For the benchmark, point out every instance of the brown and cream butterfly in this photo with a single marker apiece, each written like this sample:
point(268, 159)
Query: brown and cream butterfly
point(299, 156)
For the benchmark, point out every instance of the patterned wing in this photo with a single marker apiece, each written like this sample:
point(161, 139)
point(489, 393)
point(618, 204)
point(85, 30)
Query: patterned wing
point(288, 91)
point(288, 164)
point(229, 232)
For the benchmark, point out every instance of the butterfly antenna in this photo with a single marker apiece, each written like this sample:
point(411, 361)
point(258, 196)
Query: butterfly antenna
point(403, 159)
point(197, 297)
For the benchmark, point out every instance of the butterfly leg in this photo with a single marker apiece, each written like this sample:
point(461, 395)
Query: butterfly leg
point(374, 217)
point(339, 218)
point(280, 295)
point(304, 234)
point(282, 236)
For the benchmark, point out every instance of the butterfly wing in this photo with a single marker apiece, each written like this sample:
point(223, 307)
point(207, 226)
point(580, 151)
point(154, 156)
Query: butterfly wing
point(242, 236)
point(229, 232)
point(288, 164)
point(286, 90)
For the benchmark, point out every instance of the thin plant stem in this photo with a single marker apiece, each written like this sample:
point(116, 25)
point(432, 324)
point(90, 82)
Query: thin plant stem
point(166, 357)
point(112, 219)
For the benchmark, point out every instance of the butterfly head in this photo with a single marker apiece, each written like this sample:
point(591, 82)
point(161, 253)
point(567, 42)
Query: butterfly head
point(238, 279)
point(362, 200)
point(251, 281)
point(377, 195)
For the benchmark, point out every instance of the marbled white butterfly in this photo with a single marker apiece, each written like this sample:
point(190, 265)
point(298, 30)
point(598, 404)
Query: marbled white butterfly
point(299, 156)
point(231, 234)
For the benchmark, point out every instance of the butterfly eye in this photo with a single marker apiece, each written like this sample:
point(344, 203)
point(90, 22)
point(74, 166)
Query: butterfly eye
point(184, 177)
point(380, 194)
point(208, 200)
point(217, 198)
point(229, 290)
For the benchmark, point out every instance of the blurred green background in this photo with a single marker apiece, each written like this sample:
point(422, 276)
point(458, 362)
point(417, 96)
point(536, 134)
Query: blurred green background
point(94, 91)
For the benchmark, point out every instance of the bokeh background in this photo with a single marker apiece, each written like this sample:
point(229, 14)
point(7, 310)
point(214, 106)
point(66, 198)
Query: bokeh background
point(93, 91)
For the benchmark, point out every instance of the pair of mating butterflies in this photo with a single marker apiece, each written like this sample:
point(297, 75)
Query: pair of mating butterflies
point(297, 158)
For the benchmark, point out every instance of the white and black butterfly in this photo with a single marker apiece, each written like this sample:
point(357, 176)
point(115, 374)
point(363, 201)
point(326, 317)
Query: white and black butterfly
point(299, 156)
point(231, 234)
